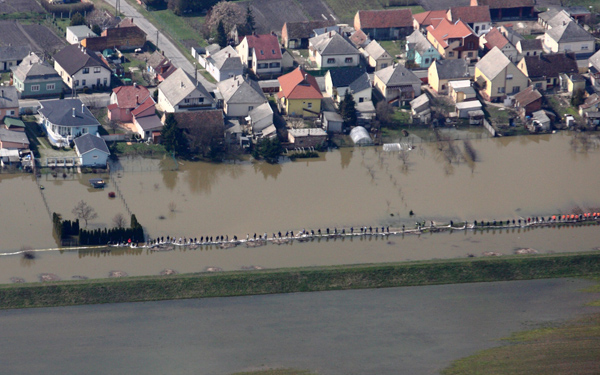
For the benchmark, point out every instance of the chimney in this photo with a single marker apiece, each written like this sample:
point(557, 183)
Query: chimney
point(181, 85)
point(2, 94)
point(73, 112)
point(82, 107)
point(137, 99)
point(330, 33)
point(134, 84)
point(306, 76)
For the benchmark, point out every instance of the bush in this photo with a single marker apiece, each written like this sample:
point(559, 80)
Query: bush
point(66, 8)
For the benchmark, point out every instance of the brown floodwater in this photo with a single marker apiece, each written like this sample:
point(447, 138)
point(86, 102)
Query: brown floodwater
point(513, 178)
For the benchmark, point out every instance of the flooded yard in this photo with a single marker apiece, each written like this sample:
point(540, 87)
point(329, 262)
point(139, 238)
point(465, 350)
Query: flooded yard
point(512, 178)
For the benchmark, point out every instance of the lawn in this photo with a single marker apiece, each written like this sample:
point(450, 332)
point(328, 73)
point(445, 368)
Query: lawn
point(346, 9)
point(394, 47)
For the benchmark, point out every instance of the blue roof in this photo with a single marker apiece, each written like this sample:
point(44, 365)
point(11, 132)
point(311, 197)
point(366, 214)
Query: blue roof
point(88, 142)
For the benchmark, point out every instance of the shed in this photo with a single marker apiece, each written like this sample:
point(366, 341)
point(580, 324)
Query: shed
point(541, 120)
point(463, 108)
point(310, 137)
point(461, 91)
point(360, 136)
point(92, 150)
point(332, 122)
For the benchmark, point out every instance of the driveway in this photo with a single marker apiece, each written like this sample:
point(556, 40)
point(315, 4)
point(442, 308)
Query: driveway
point(164, 43)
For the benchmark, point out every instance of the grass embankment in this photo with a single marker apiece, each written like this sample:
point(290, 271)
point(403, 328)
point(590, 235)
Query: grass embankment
point(298, 280)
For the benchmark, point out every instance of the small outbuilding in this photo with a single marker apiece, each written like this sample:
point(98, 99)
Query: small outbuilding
point(91, 150)
point(461, 91)
point(360, 136)
point(463, 108)
point(332, 122)
point(310, 137)
point(541, 121)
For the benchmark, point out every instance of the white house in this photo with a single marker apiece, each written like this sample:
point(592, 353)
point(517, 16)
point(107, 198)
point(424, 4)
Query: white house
point(240, 96)
point(224, 64)
point(179, 93)
point(354, 80)
point(331, 50)
point(261, 118)
point(569, 37)
point(261, 54)
point(79, 68)
point(64, 120)
point(91, 150)
point(75, 34)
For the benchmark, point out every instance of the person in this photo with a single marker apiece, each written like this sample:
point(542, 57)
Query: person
point(279, 234)
point(319, 231)
point(351, 229)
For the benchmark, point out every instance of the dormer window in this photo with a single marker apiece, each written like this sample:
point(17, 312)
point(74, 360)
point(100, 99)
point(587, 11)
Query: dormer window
point(273, 51)
point(262, 52)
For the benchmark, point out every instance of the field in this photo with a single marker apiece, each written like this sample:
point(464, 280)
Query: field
point(443, 4)
point(346, 9)
point(270, 15)
point(20, 6)
point(38, 36)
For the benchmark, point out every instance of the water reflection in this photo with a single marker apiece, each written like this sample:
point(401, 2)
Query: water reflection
point(267, 170)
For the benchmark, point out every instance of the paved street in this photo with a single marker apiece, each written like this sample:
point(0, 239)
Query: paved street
point(164, 44)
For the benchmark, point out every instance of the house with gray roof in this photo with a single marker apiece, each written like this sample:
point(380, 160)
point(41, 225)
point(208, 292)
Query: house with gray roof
point(224, 64)
point(12, 56)
point(442, 72)
point(75, 34)
point(529, 47)
point(331, 50)
point(180, 92)
point(9, 101)
point(377, 57)
point(91, 150)
point(420, 51)
point(79, 67)
point(354, 80)
point(553, 18)
point(569, 37)
point(297, 34)
point(66, 119)
point(13, 140)
point(240, 96)
point(594, 68)
point(397, 84)
point(35, 78)
point(261, 118)
point(498, 77)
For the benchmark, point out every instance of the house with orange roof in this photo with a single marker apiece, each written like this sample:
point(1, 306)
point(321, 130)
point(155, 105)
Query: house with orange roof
point(477, 17)
point(429, 18)
point(454, 40)
point(384, 24)
point(495, 39)
point(261, 54)
point(299, 94)
point(124, 100)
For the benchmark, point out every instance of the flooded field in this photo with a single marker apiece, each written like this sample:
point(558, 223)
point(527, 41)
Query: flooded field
point(511, 178)
point(413, 330)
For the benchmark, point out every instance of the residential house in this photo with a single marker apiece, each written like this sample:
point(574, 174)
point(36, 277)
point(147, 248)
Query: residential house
point(571, 82)
point(553, 18)
point(13, 124)
point(360, 39)
point(261, 118)
point(79, 67)
point(12, 56)
point(441, 72)
point(528, 101)
point(180, 93)
point(377, 57)
point(454, 40)
point(384, 24)
point(76, 34)
point(529, 47)
point(420, 108)
point(295, 35)
point(591, 104)
point(126, 36)
point(146, 122)
point(476, 17)
point(331, 50)
point(35, 78)
point(224, 64)
point(461, 91)
point(307, 137)
point(494, 38)
point(299, 94)
point(419, 51)
point(429, 18)
point(543, 70)
point(594, 69)
point(9, 101)
point(353, 79)
point(159, 67)
point(12, 140)
point(91, 150)
point(510, 34)
point(498, 77)
point(240, 96)
point(261, 54)
point(507, 9)
point(332, 122)
point(569, 37)
point(125, 99)
point(65, 119)
point(397, 84)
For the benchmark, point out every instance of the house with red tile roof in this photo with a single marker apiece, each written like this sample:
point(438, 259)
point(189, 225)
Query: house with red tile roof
point(454, 40)
point(124, 100)
point(299, 94)
point(384, 24)
point(495, 39)
point(431, 17)
point(261, 54)
point(477, 17)
point(507, 9)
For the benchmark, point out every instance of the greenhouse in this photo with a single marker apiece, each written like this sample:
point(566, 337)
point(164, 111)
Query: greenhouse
point(360, 136)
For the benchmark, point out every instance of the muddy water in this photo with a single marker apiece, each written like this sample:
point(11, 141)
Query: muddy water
point(513, 177)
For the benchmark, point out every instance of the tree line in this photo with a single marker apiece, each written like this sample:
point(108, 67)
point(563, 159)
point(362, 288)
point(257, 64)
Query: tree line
point(64, 229)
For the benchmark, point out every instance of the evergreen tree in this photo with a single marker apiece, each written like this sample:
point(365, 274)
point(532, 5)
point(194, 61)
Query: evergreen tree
point(221, 35)
point(77, 19)
point(172, 137)
point(270, 150)
point(96, 29)
point(347, 110)
point(250, 22)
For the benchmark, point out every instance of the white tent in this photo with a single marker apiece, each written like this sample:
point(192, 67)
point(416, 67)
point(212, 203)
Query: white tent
point(360, 136)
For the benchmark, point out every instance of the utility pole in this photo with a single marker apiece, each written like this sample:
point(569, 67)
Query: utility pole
point(117, 7)
point(156, 39)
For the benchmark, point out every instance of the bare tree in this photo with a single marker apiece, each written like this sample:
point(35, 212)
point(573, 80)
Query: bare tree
point(113, 125)
point(229, 13)
point(119, 220)
point(384, 112)
point(84, 212)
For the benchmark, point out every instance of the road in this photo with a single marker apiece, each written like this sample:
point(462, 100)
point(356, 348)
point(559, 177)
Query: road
point(170, 50)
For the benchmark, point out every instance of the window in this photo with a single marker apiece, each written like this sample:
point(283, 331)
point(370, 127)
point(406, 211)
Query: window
point(534, 53)
point(50, 86)
point(349, 60)
point(274, 65)
point(11, 113)
point(84, 130)
point(262, 52)
point(273, 51)
point(331, 61)
point(309, 105)
point(86, 70)
point(509, 77)
point(470, 54)
point(105, 81)
point(83, 82)
point(470, 45)
point(35, 87)
point(95, 157)
point(262, 66)
point(200, 100)
point(427, 61)
point(360, 100)
point(186, 100)
point(450, 54)
point(250, 107)
point(527, 54)
point(384, 65)
point(516, 89)
point(501, 90)
point(97, 69)
point(585, 47)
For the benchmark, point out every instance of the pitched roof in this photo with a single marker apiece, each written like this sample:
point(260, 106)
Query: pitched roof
point(148, 123)
point(226, 59)
point(61, 111)
point(359, 38)
point(452, 69)
point(304, 29)
point(34, 67)
point(505, 4)
point(493, 63)
point(81, 31)
point(548, 15)
point(9, 98)
point(375, 50)
point(332, 43)
point(494, 38)
point(377, 19)
point(595, 60)
point(299, 85)
point(431, 17)
point(260, 112)
point(531, 44)
point(89, 142)
point(15, 122)
point(571, 32)
point(397, 75)
point(449, 30)
point(266, 46)
point(206, 118)
point(13, 136)
point(240, 90)
point(527, 96)
point(180, 85)
point(131, 96)
point(550, 65)
point(470, 14)
point(355, 78)
point(419, 43)
point(149, 103)
point(72, 59)
point(560, 18)
point(10, 53)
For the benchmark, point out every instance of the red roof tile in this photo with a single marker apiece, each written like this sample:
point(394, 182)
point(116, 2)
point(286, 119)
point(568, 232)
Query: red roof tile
point(470, 14)
point(299, 85)
point(432, 17)
point(494, 38)
point(142, 107)
point(377, 19)
point(447, 30)
point(266, 46)
point(126, 95)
